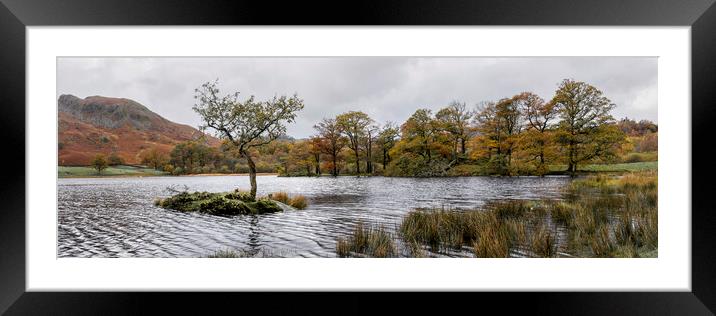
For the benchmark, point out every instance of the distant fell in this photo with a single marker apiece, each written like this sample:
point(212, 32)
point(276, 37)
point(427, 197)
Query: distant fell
point(97, 124)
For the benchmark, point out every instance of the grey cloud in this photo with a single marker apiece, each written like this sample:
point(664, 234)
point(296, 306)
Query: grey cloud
point(387, 88)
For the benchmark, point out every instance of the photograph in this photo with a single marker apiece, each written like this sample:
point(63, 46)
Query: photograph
point(357, 157)
point(242, 151)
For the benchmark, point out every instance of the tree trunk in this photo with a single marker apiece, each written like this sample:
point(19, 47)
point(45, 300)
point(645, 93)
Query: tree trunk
point(369, 154)
point(357, 163)
point(462, 144)
point(385, 157)
point(318, 164)
point(335, 167)
point(572, 168)
point(252, 173)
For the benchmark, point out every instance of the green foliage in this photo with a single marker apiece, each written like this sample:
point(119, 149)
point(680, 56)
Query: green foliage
point(248, 124)
point(114, 159)
point(100, 163)
point(641, 157)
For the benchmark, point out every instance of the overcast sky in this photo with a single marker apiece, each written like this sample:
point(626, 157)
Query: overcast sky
point(387, 88)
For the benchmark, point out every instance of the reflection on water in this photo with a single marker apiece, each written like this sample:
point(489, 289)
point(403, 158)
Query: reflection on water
point(116, 217)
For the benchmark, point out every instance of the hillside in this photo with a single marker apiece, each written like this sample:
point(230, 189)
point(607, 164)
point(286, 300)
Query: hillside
point(106, 125)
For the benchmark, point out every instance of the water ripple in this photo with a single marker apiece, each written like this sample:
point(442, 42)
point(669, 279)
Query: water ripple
point(116, 217)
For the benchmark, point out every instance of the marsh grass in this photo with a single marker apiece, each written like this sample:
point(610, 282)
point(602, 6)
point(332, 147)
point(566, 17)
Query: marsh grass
point(279, 196)
point(493, 239)
point(243, 253)
point(297, 201)
point(517, 231)
point(601, 242)
point(602, 216)
point(228, 253)
point(543, 241)
point(367, 241)
point(415, 250)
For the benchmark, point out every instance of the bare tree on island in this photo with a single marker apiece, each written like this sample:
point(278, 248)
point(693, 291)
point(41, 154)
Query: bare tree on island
point(245, 124)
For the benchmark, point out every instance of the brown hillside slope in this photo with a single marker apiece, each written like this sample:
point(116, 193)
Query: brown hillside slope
point(105, 125)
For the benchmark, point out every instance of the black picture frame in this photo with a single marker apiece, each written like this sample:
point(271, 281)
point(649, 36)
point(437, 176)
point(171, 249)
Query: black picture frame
point(15, 15)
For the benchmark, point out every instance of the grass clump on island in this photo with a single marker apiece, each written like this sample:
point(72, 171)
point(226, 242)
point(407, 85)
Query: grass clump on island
point(601, 216)
point(227, 203)
point(297, 201)
point(367, 241)
point(231, 203)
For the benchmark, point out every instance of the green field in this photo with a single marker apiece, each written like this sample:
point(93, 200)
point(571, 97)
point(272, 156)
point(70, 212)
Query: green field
point(73, 171)
point(617, 167)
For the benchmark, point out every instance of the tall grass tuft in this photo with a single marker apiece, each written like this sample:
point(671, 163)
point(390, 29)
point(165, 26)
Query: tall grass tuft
point(279, 197)
point(543, 241)
point(228, 253)
point(298, 201)
point(601, 243)
point(369, 241)
point(493, 240)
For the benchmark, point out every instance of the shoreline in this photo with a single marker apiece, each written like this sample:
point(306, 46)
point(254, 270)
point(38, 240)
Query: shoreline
point(588, 170)
point(165, 175)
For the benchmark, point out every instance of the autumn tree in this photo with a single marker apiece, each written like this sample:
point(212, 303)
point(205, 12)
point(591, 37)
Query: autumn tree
point(333, 141)
point(353, 125)
point(316, 145)
point(489, 137)
point(455, 120)
point(370, 133)
point(509, 116)
point(499, 124)
point(418, 132)
point(586, 129)
point(539, 119)
point(99, 163)
point(386, 140)
point(114, 159)
point(246, 124)
point(154, 158)
point(192, 156)
point(300, 157)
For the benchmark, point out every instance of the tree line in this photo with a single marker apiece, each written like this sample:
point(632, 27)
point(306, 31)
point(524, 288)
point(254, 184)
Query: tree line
point(521, 134)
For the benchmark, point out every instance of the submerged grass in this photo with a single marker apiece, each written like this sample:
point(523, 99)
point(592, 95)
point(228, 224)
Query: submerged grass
point(243, 253)
point(367, 241)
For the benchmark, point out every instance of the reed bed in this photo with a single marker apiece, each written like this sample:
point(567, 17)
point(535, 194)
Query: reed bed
point(367, 241)
point(601, 216)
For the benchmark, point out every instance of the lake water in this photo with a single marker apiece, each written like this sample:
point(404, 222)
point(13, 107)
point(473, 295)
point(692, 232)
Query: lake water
point(116, 217)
